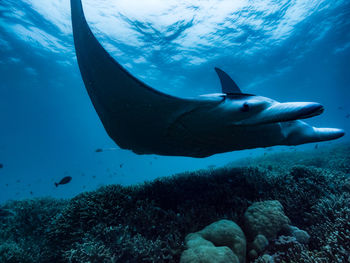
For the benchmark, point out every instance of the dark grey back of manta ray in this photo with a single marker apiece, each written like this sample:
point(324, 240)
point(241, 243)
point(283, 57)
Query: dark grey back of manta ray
point(134, 115)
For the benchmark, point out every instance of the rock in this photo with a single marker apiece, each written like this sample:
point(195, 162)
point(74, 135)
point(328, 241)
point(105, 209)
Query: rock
point(208, 254)
point(266, 218)
point(301, 236)
point(267, 258)
point(226, 233)
point(196, 240)
point(287, 230)
point(260, 243)
point(252, 254)
point(220, 234)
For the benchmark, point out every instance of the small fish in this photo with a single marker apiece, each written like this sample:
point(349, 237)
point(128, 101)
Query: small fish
point(316, 146)
point(64, 180)
point(1, 165)
point(98, 150)
point(340, 108)
point(211, 166)
point(121, 165)
point(94, 176)
point(347, 116)
point(31, 192)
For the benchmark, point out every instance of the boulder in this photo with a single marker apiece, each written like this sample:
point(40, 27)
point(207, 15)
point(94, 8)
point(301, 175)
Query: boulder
point(221, 240)
point(266, 218)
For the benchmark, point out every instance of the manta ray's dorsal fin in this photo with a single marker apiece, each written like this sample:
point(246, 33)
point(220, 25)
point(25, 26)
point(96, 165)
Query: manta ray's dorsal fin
point(227, 84)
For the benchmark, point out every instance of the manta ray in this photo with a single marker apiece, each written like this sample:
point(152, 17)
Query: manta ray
point(147, 121)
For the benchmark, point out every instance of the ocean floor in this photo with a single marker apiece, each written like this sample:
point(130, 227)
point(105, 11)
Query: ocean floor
point(282, 207)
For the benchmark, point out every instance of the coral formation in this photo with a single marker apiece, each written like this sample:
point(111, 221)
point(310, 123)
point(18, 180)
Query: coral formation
point(265, 218)
point(260, 243)
point(149, 222)
point(258, 246)
point(208, 254)
point(300, 235)
point(216, 236)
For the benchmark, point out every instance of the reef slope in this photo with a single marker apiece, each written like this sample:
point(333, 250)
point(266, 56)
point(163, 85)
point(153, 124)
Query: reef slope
point(149, 222)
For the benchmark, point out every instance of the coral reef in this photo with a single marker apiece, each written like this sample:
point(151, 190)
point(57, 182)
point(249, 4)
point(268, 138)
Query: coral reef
point(149, 222)
point(23, 230)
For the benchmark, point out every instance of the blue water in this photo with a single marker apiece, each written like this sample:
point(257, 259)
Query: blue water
point(286, 50)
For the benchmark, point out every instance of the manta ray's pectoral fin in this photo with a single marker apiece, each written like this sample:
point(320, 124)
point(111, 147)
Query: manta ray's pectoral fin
point(227, 84)
point(134, 115)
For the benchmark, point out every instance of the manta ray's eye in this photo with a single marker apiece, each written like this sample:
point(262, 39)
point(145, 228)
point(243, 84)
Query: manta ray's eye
point(245, 107)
